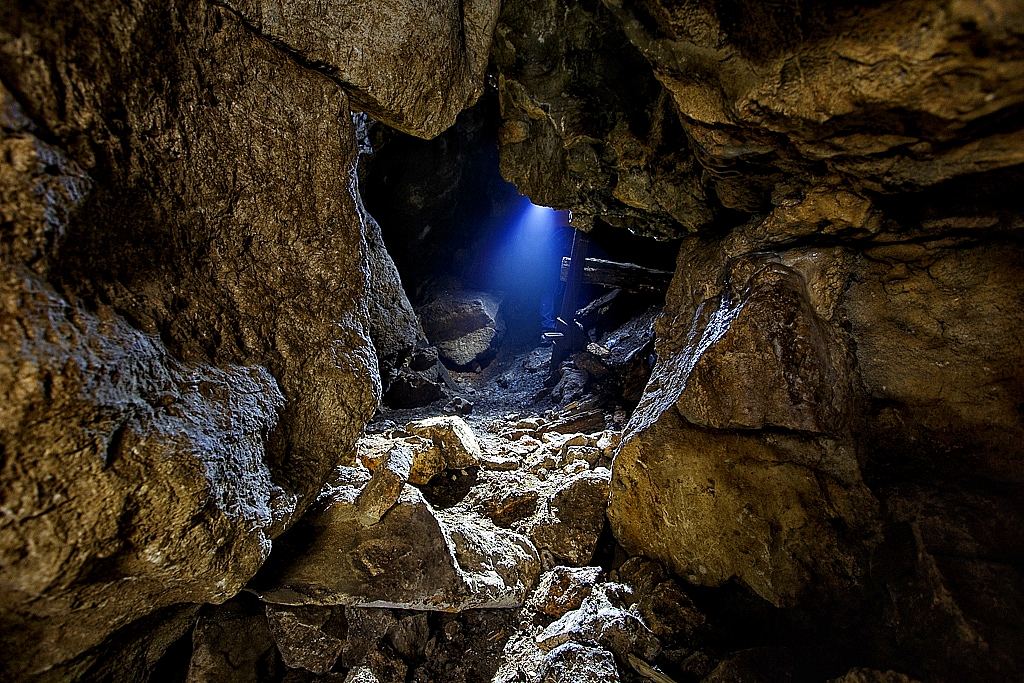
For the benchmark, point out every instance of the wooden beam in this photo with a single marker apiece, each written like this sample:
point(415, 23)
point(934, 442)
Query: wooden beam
point(628, 276)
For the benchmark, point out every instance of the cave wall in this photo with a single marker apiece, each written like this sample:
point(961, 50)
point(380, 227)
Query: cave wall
point(194, 300)
point(835, 419)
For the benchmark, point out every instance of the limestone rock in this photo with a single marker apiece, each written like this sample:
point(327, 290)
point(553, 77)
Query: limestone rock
point(232, 643)
point(393, 325)
point(670, 613)
point(382, 491)
point(427, 457)
point(777, 541)
point(574, 517)
point(465, 326)
point(308, 637)
point(415, 557)
point(453, 436)
point(410, 635)
point(597, 620)
point(369, 48)
point(574, 663)
point(563, 589)
point(92, 407)
point(239, 253)
point(366, 627)
point(726, 124)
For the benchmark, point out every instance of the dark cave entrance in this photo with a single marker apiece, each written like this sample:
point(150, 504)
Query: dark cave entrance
point(453, 224)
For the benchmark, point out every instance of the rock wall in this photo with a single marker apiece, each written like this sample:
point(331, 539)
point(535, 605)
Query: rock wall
point(838, 390)
point(192, 295)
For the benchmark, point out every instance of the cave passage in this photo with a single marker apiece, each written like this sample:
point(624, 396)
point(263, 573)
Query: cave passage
point(306, 376)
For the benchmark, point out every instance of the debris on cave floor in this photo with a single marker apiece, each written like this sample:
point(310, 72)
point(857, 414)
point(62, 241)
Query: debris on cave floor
point(467, 542)
point(475, 550)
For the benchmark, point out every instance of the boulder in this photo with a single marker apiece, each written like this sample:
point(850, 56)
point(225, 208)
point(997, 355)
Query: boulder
point(598, 620)
point(766, 361)
point(427, 458)
point(232, 643)
point(308, 637)
point(574, 517)
point(563, 589)
point(382, 491)
point(455, 438)
point(421, 97)
point(414, 557)
point(465, 326)
point(575, 663)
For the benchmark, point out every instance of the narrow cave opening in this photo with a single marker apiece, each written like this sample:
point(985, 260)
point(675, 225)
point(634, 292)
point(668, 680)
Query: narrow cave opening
point(486, 270)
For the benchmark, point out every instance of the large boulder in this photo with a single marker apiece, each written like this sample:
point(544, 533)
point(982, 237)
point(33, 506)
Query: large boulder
point(807, 373)
point(414, 557)
point(464, 326)
point(414, 65)
point(754, 399)
point(189, 339)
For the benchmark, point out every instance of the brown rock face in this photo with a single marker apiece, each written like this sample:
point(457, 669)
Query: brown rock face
point(787, 430)
point(412, 65)
point(755, 400)
point(838, 384)
point(192, 293)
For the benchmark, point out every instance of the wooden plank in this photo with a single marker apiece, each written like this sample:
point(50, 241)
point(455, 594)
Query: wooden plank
point(628, 276)
point(566, 324)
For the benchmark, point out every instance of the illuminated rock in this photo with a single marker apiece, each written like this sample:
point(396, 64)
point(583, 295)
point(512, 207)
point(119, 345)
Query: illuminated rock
point(465, 327)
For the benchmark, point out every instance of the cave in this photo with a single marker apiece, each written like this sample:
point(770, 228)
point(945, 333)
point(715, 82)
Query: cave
point(534, 341)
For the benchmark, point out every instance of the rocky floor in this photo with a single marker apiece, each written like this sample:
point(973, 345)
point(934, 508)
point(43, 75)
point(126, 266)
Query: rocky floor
point(476, 549)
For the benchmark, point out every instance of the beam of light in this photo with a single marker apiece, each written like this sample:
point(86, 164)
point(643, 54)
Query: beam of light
point(526, 251)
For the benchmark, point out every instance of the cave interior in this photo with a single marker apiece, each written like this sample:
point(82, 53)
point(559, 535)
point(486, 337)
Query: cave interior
point(512, 341)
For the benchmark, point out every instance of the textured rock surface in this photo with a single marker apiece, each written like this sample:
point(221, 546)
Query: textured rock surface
point(188, 325)
point(412, 65)
point(794, 108)
point(92, 407)
point(863, 394)
point(232, 643)
point(574, 517)
point(414, 557)
point(308, 637)
point(837, 389)
point(454, 439)
point(464, 326)
point(598, 620)
point(770, 351)
point(574, 663)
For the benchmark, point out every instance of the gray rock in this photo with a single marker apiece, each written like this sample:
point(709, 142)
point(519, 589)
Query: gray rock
point(598, 620)
point(415, 557)
point(465, 326)
point(575, 663)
